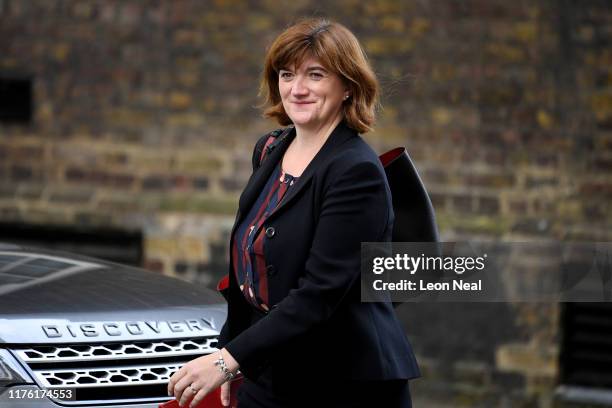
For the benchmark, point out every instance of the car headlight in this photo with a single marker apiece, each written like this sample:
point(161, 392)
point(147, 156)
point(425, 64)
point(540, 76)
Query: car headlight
point(11, 372)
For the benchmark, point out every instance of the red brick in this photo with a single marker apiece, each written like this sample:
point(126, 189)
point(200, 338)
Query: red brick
point(26, 152)
point(518, 207)
point(181, 182)
point(594, 188)
point(154, 265)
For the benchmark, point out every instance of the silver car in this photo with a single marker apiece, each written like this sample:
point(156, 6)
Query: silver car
point(78, 331)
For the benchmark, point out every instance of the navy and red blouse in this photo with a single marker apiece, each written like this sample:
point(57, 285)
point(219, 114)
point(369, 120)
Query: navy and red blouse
point(249, 239)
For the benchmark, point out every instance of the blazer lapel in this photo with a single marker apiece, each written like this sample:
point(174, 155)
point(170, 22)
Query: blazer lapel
point(260, 176)
point(258, 179)
point(339, 135)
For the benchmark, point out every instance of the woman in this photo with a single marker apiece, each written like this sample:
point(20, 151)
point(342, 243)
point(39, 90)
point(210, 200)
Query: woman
point(296, 327)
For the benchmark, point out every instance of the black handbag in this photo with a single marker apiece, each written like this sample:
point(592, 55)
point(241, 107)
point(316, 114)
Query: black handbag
point(415, 219)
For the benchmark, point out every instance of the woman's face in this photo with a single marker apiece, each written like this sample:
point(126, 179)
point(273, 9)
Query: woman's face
point(312, 96)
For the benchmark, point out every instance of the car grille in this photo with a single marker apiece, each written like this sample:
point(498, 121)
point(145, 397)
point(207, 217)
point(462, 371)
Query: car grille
point(113, 372)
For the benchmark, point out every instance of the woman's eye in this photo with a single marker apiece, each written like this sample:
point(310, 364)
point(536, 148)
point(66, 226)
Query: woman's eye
point(285, 75)
point(316, 75)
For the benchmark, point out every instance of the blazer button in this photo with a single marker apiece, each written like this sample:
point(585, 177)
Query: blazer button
point(271, 270)
point(270, 232)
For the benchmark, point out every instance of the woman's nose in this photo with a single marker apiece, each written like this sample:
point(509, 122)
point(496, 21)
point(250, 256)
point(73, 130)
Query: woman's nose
point(299, 87)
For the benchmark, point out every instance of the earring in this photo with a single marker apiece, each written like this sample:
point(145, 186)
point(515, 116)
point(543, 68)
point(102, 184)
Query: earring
point(346, 97)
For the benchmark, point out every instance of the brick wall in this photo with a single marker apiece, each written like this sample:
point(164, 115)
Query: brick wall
point(144, 117)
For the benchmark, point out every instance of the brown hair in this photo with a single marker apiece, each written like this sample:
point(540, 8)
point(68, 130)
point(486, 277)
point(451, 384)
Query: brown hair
point(340, 52)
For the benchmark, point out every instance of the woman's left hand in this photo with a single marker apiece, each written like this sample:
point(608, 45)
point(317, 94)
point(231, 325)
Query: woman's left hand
point(199, 377)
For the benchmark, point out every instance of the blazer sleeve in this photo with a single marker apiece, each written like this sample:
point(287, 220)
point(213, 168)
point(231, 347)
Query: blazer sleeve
point(354, 210)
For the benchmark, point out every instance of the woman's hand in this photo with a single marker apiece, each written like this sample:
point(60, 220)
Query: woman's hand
point(199, 377)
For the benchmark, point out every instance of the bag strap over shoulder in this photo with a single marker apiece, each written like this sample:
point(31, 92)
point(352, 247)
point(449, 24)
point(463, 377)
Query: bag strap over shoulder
point(264, 150)
point(274, 137)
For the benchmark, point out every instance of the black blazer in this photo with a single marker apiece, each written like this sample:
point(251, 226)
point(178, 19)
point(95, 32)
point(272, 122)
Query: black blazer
point(317, 328)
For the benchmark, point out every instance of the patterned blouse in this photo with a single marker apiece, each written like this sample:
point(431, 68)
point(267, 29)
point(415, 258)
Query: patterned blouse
point(249, 239)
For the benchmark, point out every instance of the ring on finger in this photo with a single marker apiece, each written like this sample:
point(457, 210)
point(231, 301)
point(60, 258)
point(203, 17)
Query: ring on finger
point(195, 391)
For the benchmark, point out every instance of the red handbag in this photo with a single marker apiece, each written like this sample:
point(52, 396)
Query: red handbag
point(213, 399)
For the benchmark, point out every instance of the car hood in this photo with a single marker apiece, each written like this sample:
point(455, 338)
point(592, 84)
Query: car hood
point(53, 297)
